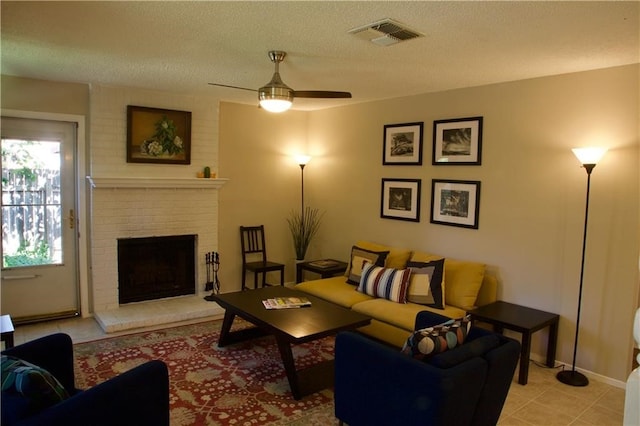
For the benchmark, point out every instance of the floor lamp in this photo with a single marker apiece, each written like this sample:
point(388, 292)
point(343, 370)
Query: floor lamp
point(589, 157)
point(302, 160)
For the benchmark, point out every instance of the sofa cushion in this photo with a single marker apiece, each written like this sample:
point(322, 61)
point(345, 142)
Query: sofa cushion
point(430, 341)
point(397, 257)
point(426, 285)
point(29, 387)
point(334, 290)
point(400, 315)
point(463, 280)
point(471, 349)
point(358, 258)
point(387, 283)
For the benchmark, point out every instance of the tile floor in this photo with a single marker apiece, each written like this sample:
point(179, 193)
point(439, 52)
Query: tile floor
point(130, 318)
point(543, 401)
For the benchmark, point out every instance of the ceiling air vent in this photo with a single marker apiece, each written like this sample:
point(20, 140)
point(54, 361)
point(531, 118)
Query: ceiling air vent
point(385, 32)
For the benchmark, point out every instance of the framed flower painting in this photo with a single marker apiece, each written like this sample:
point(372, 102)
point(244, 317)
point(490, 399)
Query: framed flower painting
point(158, 135)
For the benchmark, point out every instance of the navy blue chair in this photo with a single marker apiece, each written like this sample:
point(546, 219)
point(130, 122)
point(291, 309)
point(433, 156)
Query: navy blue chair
point(376, 384)
point(139, 396)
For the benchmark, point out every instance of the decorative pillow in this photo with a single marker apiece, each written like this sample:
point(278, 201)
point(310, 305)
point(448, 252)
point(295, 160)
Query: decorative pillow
point(463, 279)
point(430, 341)
point(358, 257)
point(475, 348)
point(35, 384)
point(397, 257)
point(386, 283)
point(426, 286)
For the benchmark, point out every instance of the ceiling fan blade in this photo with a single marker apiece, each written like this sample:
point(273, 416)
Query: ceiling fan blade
point(233, 87)
point(320, 94)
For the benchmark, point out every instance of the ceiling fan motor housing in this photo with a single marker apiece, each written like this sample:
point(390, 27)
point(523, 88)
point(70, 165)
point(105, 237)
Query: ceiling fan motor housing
point(276, 89)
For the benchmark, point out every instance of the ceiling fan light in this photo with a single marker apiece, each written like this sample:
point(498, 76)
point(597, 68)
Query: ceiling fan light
point(275, 98)
point(275, 105)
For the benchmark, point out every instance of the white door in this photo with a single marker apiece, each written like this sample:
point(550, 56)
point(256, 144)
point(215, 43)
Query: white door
point(39, 226)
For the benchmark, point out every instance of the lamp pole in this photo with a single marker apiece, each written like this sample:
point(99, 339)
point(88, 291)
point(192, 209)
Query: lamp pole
point(589, 157)
point(573, 377)
point(302, 186)
point(302, 161)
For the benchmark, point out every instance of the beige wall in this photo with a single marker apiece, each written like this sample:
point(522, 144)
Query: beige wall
point(531, 205)
point(255, 154)
point(27, 94)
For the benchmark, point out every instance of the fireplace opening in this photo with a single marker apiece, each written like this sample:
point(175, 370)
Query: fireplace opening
point(156, 267)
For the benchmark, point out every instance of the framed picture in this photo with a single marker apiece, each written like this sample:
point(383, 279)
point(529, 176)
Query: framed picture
point(455, 202)
point(400, 199)
point(402, 144)
point(457, 141)
point(158, 135)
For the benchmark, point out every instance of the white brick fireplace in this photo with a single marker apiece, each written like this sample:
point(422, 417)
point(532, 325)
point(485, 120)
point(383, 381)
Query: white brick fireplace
point(145, 207)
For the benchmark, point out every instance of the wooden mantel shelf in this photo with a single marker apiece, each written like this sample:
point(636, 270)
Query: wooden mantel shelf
point(152, 182)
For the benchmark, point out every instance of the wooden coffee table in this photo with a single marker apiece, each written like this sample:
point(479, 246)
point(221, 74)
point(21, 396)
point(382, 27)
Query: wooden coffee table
point(289, 326)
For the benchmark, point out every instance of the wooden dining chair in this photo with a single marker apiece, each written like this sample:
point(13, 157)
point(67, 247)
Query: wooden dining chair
point(254, 256)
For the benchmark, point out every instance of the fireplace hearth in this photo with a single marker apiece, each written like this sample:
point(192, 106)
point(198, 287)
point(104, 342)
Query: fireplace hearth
point(156, 267)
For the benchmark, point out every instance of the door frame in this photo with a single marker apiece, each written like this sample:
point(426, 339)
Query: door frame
point(81, 201)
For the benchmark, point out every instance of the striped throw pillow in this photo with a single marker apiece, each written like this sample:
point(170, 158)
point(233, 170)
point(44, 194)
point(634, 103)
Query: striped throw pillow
point(387, 283)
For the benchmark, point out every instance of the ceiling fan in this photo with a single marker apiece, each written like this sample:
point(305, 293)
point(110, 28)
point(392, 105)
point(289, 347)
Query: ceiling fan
point(276, 96)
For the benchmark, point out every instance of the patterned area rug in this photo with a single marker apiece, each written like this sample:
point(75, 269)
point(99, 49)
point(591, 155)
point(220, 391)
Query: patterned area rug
point(241, 384)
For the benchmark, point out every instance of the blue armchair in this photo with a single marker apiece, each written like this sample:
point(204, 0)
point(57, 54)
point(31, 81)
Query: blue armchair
point(139, 396)
point(378, 385)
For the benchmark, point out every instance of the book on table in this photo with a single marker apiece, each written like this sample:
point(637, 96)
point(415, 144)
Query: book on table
point(324, 263)
point(286, 302)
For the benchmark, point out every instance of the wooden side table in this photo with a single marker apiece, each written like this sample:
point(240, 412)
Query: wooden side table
point(330, 268)
point(6, 331)
point(523, 320)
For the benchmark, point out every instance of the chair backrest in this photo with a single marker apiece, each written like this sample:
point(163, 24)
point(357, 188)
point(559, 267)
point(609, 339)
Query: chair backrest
point(253, 243)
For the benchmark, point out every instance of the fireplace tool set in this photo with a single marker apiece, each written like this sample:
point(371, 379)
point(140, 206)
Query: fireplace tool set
point(212, 262)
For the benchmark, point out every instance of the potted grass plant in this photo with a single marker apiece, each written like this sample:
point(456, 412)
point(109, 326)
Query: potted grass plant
point(303, 225)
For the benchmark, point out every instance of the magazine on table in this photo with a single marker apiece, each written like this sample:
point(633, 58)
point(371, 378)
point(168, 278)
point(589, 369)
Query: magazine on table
point(286, 302)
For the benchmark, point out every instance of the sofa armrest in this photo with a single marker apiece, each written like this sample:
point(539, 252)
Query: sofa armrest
point(488, 292)
point(376, 384)
point(138, 397)
point(54, 353)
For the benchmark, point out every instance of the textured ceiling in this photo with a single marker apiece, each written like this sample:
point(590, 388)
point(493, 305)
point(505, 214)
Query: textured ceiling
point(181, 46)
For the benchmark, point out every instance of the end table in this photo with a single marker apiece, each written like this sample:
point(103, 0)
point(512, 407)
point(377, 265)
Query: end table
point(325, 267)
point(523, 320)
point(6, 331)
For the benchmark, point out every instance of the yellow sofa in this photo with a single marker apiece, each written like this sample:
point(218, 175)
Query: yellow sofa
point(466, 286)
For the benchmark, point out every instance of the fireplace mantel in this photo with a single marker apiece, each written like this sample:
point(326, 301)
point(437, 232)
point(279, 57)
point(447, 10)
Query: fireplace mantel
point(153, 182)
